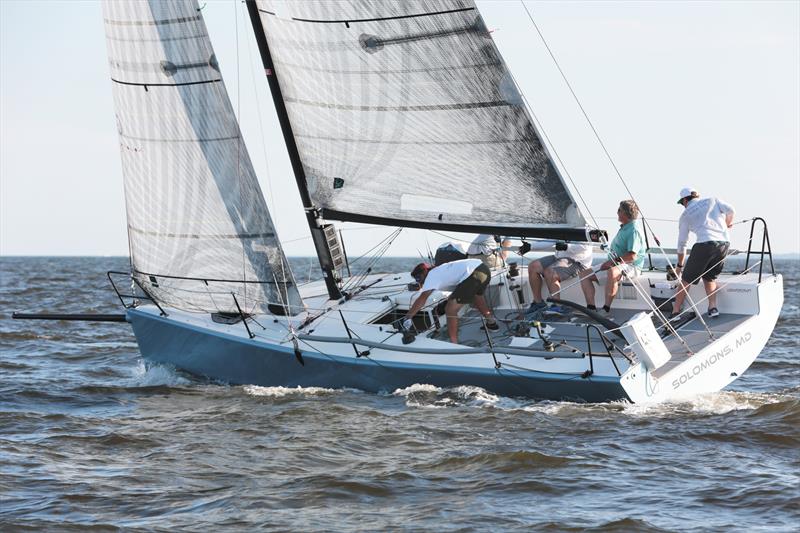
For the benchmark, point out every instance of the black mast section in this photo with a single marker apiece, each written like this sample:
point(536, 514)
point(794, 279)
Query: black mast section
point(317, 232)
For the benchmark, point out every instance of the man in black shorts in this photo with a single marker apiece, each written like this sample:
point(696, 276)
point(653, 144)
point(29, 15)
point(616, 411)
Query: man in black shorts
point(709, 219)
point(466, 278)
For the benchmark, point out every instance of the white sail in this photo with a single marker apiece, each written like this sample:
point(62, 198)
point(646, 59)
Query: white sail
point(194, 206)
point(406, 111)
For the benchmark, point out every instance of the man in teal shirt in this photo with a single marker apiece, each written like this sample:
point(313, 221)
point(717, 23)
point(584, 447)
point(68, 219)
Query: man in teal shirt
point(625, 258)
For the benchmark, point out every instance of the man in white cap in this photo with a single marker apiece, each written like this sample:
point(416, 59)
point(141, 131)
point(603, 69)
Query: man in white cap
point(709, 219)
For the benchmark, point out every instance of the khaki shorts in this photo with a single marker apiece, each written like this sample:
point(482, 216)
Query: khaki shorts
point(628, 271)
point(565, 267)
point(491, 260)
point(475, 284)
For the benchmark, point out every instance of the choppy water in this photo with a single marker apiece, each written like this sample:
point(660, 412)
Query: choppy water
point(92, 438)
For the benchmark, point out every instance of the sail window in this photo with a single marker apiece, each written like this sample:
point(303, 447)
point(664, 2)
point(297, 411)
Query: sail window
point(168, 68)
point(370, 43)
point(434, 204)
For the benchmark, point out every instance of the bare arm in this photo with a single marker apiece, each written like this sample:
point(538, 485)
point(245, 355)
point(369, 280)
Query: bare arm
point(681, 257)
point(683, 237)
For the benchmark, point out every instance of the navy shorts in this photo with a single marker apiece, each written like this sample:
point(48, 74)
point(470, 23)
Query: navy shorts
point(705, 261)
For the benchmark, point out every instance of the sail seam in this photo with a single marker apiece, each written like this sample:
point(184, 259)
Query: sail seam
point(156, 40)
point(413, 143)
point(213, 280)
point(442, 107)
point(140, 84)
point(146, 139)
point(151, 22)
point(202, 236)
point(383, 72)
point(376, 19)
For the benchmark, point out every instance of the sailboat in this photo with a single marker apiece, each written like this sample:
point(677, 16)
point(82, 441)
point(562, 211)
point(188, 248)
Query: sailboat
point(386, 109)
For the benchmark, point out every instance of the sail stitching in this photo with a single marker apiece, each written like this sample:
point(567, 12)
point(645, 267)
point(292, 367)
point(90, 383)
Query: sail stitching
point(421, 143)
point(200, 140)
point(151, 22)
point(201, 236)
point(442, 107)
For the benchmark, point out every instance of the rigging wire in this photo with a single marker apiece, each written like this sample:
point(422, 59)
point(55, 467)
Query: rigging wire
point(597, 136)
point(261, 127)
point(236, 120)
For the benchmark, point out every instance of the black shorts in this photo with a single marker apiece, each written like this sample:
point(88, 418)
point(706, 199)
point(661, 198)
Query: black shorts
point(475, 284)
point(705, 261)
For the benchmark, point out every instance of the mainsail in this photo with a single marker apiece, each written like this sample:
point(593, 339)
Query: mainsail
point(405, 113)
point(198, 226)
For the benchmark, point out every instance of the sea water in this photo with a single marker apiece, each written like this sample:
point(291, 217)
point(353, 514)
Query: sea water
point(92, 437)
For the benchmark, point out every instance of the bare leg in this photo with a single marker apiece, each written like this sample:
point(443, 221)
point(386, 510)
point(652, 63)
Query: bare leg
point(711, 291)
point(587, 286)
point(480, 303)
point(504, 253)
point(451, 310)
point(535, 280)
point(553, 283)
point(680, 296)
point(612, 284)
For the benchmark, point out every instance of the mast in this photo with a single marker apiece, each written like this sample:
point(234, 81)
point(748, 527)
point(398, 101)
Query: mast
point(317, 231)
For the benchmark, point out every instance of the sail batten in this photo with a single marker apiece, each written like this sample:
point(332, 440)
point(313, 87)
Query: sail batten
point(406, 112)
point(200, 235)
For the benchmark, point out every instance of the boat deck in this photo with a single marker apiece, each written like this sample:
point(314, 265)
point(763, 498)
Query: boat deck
point(696, 337)
point(574, 332)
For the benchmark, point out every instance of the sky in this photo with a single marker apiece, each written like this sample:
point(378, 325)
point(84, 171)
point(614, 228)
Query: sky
point(701, 94)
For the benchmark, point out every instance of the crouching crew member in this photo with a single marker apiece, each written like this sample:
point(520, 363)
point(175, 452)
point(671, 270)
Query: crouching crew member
point(466, 278)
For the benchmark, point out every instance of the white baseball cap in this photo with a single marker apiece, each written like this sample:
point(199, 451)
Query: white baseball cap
point(686, 191)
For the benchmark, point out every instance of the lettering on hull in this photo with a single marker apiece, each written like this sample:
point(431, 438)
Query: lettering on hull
point(709, 361)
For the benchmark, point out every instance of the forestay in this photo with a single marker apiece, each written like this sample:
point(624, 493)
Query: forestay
point(194, 206)
point(405, 111)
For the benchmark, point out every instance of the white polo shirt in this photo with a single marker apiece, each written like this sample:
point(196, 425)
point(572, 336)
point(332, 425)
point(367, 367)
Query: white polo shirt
point(447, 276)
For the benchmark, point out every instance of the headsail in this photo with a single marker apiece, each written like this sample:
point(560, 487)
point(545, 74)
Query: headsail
point(194, 206)
point(405, 113)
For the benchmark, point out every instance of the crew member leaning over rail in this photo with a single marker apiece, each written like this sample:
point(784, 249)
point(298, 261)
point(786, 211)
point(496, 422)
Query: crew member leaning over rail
point(467, 278)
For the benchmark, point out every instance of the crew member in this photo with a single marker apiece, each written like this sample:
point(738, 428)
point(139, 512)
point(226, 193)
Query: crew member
point(492, 250)
point(466, 278)
point(568, 261)
point(709, 219)
point(625, 258)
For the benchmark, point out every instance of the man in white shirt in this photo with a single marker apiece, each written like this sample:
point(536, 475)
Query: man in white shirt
point(466, 278)
point(709, 219)
point(562, 265)
point(492, 250)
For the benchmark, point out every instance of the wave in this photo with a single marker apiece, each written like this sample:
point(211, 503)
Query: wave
point(281, 392)
point(502, 462)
